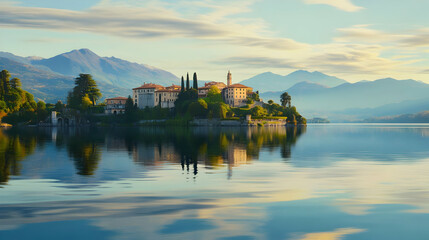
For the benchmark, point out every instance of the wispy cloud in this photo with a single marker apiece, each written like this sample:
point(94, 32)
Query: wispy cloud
point(143, 23)
point(345, 5)
point(260, 62)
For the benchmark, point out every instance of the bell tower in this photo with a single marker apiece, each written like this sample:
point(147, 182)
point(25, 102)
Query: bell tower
point(229, 78)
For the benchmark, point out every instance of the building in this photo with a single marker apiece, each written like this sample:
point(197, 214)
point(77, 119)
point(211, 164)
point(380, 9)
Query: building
point(167, 97)
point(203, 91)
point(144, 96)
point(115, 105)
point(236, 95)
point(149, 95)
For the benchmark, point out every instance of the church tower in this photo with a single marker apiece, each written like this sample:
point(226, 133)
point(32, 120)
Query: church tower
point(229, 79)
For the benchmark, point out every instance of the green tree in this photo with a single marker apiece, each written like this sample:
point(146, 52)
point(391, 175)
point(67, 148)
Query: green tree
point(182, 89)
point(15, 83)
point(259, 111)
point(59, 106)
point(4, 84)
point(187, 82)
point(285, 99)
point(214, 95)
point(42, 113)
point(270, 102)
point(195, 83)
point(198, 108)
point(84, 92)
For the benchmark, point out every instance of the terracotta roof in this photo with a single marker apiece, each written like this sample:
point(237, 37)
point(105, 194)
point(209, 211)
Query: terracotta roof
point(174, 86)
point(237, 85)
point(149, 86)
point(117, 98)
point(168, 90)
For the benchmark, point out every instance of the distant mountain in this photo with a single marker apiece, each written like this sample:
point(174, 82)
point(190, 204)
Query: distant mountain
point(109, 70)
point(268, 81)
point(49, 86)
point(422, 117)
point(358, 100)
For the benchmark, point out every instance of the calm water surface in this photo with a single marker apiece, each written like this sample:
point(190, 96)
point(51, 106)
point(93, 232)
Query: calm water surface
point(325, 182)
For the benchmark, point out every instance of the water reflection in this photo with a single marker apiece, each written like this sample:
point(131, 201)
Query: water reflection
point(150, 147)
point(333, 182)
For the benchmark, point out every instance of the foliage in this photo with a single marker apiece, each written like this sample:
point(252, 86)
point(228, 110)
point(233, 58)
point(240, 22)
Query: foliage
point(259, 111)
point(84, 94)
point(187, 82)
point(198, 108)
point(214, 95)
point(195, 83)
point(130, 110)
point(286, 99)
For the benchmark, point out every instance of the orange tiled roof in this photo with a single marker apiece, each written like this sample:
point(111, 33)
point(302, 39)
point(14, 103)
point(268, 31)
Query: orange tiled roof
point(117, 98)
point(149, 86)
point(237, 85)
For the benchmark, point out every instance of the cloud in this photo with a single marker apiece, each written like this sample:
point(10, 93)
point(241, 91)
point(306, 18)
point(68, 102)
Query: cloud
point(259, 62)
point(425, 71)
point(419, 39)
point(362, 33)
point(143, 22)
point(345, 5)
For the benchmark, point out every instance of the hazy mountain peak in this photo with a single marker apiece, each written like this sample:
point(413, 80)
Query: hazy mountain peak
point(268, 81)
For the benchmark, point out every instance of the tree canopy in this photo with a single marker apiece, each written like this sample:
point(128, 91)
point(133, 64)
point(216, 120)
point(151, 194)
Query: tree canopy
point(84, 94)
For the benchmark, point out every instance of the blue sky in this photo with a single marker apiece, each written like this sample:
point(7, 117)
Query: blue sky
point(353, 39)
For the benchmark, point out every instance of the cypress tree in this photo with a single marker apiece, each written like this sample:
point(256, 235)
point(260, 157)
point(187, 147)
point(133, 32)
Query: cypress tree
point(183, 85)
point(4, 84)
point(195, 81)
point(187, 82)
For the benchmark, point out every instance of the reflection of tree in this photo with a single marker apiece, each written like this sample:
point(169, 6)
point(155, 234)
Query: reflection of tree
point(13, 149)
point(83, 147)
point(86, 156)
point(213, 147)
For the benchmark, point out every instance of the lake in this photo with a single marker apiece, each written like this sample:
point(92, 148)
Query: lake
point(327, 182)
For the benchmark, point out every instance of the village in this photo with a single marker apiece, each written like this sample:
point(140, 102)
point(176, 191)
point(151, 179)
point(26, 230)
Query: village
point(151, 95)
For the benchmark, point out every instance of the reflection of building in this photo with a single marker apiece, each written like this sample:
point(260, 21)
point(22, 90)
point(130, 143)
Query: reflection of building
point(236, 156)
point(149, 95)
point(236, 95)
point(153, 155)
point(115, 105)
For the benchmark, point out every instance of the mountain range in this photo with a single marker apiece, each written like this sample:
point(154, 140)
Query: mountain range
point(356, 101)
point(269, 81)
point(314, 93)
point(50, 79)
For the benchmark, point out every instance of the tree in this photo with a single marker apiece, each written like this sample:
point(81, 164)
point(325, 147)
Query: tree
point(214, 95)
point(85, 91)
point(195, 81)
point(187, 82)
point(198, 108)
point(270, 102)
point(42, 113)
point(183, 85)
point(259, 111)
point(59, 106)
point(285, 99)
point(4, 84)
point(15, 83)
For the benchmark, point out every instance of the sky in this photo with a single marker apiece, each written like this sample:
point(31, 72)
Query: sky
point(351, 39)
